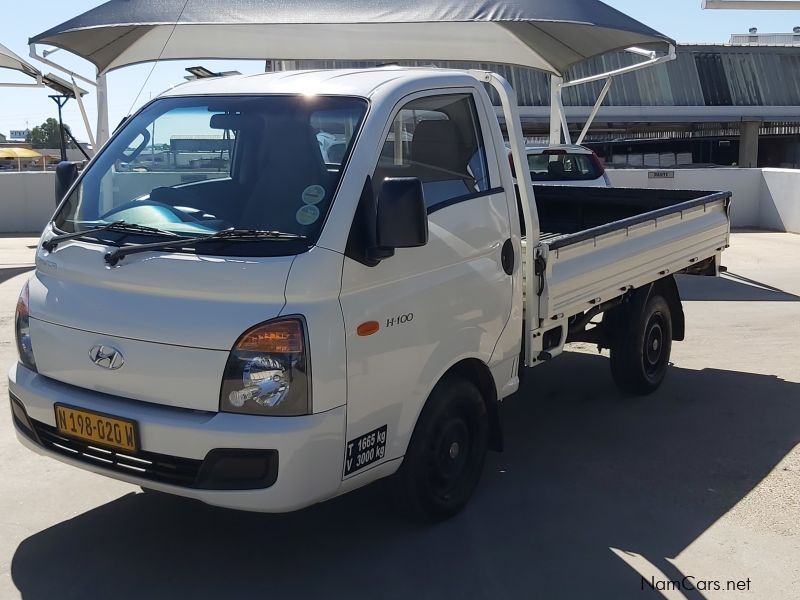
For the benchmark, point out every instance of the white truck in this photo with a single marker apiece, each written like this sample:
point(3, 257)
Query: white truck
point(218, 312)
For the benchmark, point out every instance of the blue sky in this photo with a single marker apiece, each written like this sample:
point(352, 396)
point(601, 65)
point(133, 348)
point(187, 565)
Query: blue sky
point(681, 19)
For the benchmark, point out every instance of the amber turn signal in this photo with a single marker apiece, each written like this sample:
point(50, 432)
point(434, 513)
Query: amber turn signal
point(282, 337)
point(368, 328)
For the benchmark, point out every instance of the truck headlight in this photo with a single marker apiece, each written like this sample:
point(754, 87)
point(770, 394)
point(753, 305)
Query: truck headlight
point(22, 329)
point(268, 372)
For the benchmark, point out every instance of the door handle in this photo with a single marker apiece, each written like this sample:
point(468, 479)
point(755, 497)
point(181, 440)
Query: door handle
point(507, 257)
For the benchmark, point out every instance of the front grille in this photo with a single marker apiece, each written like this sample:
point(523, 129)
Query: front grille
point(162, 468)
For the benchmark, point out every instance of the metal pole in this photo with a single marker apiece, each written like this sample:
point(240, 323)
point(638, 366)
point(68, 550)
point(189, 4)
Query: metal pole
point(60, 102)
point(595, 110)
point(555, 115)
point(622, 71)
point(76, 90)
point(49, 62)
point(77, 144)
point(102, 133)
point(562, 113)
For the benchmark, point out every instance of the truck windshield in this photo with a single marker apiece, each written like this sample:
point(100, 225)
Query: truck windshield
point(194, 166)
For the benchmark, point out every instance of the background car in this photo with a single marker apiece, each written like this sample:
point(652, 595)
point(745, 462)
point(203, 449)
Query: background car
point(566, 165)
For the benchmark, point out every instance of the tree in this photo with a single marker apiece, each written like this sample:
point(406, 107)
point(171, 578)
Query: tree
point(46, 135)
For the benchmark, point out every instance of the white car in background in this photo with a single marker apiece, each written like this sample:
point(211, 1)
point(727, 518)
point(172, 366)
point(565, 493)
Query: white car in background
point(566, 164)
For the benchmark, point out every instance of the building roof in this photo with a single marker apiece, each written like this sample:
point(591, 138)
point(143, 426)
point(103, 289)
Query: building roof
point(706, 82)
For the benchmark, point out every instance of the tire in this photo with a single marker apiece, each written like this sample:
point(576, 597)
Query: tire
point(445, 457)
point(640, 353)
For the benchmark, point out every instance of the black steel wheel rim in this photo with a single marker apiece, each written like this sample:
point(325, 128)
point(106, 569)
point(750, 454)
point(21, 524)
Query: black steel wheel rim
point(654, 344)
point(450, 454)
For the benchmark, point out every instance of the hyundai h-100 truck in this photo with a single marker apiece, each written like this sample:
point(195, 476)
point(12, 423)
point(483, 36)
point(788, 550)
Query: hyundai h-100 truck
point(266, 291)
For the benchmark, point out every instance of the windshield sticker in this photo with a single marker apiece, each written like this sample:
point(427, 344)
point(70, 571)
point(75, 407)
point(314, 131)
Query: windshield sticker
point(307, 215)
point(313, 194)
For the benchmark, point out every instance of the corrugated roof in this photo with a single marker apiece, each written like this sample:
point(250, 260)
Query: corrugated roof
point(702, 75)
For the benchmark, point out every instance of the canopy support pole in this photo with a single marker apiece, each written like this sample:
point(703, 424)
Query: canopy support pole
point(102, 112)
point(102, 103)
point(22, 85)
point(82, 108)
point(43, 59)
point(652, 62)
point(558, 85)
point(563, 116)
point(508, 99)
point(595, 110)
point(555, 115)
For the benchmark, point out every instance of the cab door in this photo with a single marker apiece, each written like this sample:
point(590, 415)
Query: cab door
point(424, 309)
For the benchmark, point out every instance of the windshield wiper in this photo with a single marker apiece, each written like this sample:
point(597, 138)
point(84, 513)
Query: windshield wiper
point(112, 258)
point(53, 242)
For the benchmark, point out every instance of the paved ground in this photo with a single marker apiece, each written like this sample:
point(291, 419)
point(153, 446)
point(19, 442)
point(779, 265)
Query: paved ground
point(594, 493)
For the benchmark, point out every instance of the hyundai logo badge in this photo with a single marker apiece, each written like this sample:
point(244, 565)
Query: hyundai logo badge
point(106, 357)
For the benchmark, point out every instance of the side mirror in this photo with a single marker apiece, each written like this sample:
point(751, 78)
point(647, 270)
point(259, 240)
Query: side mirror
point(402, 217)
point(66, 174)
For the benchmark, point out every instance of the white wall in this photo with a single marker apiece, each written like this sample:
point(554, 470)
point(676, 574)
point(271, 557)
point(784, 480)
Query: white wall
point(27, 201)
point(780, 200)
point(746, 185)
point(766, 198)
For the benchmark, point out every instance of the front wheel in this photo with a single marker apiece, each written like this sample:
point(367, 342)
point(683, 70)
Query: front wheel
point(445, 457)
point(640, 353)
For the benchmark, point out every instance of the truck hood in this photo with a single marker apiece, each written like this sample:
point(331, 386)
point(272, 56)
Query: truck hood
point(166, 298)
point(169, 320)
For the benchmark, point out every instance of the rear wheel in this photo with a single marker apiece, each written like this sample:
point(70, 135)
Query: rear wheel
point(445, 457)
point(640, 353)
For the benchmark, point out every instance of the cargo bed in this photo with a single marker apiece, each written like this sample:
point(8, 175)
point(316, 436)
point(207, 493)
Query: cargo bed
point(597, 243)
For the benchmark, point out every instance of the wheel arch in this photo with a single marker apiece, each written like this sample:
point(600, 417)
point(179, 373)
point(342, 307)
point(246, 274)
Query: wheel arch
point(478, 373)
point(667, 287)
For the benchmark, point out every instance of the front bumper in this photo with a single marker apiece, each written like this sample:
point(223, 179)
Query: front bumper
point(309, 449)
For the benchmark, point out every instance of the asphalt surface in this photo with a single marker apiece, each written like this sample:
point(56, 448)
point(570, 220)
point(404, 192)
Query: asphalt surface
point(596, 496)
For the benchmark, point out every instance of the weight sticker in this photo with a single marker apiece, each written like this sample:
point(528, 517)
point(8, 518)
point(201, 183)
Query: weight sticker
point(308, 214)
point(365, 450)
point(313, 194)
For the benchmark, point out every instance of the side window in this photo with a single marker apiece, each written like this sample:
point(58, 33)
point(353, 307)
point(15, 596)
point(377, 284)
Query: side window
point(438, 140)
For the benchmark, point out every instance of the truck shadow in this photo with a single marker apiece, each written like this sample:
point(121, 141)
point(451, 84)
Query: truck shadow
point(584, 470)
point(730, 287)
point(10, 272)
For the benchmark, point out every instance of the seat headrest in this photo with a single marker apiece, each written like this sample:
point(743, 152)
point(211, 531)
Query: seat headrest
point(438, 144)
point(556, 168)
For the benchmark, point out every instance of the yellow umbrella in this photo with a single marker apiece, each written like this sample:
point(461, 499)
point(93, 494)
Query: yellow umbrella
point(19, 154)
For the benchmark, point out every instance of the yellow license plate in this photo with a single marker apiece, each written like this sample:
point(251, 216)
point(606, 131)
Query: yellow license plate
point(94, 427)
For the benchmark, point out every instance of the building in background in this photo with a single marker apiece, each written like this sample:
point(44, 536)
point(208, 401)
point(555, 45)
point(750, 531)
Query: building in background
point(716, 104)
point(754, 38)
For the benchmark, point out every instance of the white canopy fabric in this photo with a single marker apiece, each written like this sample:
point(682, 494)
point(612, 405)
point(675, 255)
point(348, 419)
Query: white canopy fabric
point(550, 35)
point(9, 60)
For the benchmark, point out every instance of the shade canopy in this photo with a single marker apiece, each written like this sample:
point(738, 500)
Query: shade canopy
point(9, 60)
point(18, 153)
point(550, 35)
